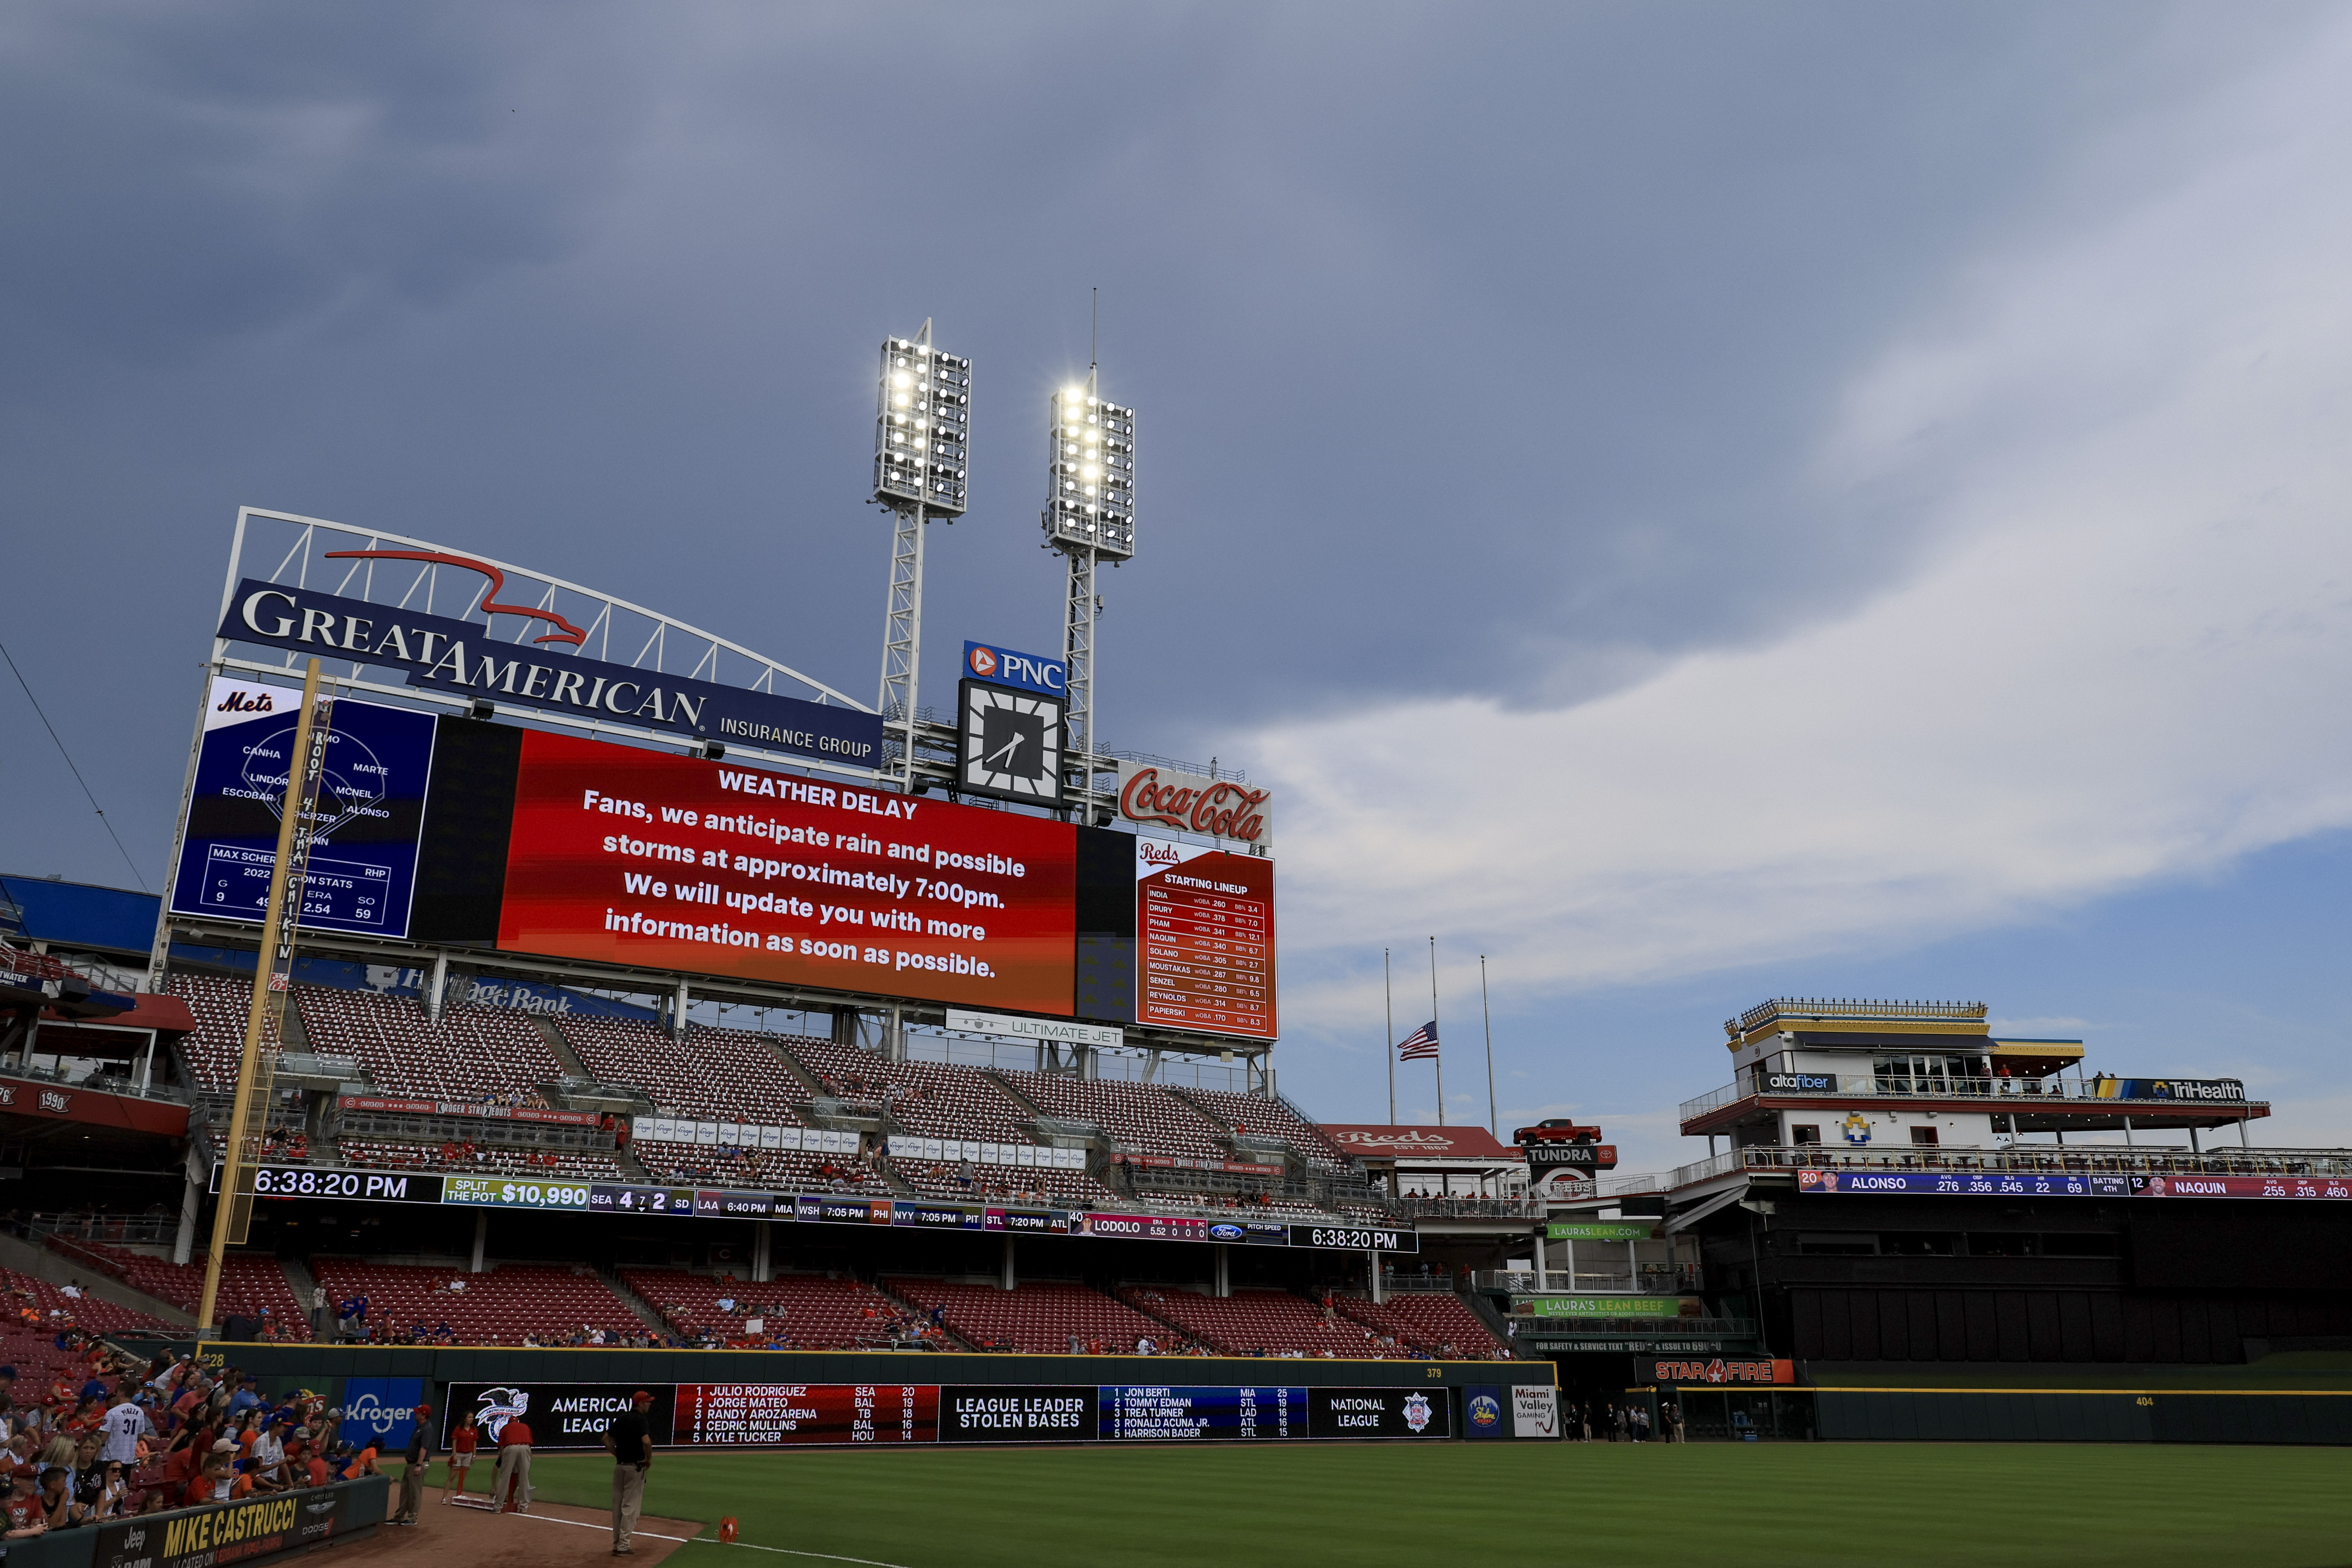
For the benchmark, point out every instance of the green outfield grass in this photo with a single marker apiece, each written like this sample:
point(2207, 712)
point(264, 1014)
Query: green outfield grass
point(1918, 1504)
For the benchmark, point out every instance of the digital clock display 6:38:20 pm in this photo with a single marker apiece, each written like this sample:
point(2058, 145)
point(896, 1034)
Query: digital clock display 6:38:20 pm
point(369, 1187)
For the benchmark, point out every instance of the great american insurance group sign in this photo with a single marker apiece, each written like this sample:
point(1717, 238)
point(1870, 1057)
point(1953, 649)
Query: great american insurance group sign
point(439, 653)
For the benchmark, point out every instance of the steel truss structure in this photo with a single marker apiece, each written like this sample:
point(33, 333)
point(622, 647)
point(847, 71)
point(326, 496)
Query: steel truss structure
point(289, 550)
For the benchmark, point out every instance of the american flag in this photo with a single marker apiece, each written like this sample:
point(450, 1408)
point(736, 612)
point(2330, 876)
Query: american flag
point(1422, 1041)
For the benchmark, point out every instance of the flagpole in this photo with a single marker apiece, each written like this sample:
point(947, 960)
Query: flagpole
point(1388, 994)
point(1494, 1118)
point(1440, 1047)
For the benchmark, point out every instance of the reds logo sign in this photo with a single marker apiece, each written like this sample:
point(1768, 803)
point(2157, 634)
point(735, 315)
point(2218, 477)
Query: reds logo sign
point(1214, 809)
point(567, 631)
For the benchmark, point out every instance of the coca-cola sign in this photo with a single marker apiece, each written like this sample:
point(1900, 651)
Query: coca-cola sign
point(1188, 803)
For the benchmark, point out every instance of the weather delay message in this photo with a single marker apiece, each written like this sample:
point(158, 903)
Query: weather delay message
point(636, 856)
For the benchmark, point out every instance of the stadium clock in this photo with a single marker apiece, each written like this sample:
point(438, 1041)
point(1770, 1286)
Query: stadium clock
point(1009, 744)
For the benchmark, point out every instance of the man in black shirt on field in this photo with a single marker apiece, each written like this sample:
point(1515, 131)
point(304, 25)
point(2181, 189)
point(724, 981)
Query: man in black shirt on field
point(420, 1459)
point(630, 1440)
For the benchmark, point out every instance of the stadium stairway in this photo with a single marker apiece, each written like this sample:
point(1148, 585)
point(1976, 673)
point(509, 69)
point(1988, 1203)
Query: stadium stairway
point(298, 1279)
point(560, 1047)
point(621, 1288)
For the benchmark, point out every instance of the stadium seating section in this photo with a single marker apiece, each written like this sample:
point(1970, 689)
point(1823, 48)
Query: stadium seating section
point(29, 1344)
point(804, 1311)
point(500, 1307)
point(488, 1159)
point(220, 1006)
point(1265, 1322)
point(1039, 1319)
point(719, 1074)
point(1139, 1117)
point(934, 1178)
point(1430, 1321)
point(250, 1281)
point(36, 1306)
point(785, 1170)
point(1259, 1114)
point(474, 1054)
point(930, 1098)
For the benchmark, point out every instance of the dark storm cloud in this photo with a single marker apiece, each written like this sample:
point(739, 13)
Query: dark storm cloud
point(1476, 350)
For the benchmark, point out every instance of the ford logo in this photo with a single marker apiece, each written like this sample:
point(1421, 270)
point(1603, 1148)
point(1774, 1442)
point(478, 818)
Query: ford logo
point(1226, 1232)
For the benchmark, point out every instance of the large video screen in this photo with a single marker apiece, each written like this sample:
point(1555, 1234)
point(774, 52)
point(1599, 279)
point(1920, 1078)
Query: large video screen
point(640, 858)
point(371, 794)
point(469, 833)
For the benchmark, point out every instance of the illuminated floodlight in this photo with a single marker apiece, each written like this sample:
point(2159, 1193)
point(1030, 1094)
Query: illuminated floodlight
point(1091, 462)
point(920, 427)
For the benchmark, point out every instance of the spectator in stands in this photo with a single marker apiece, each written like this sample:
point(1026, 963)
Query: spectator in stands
point(105, 1491)
point(318, 1311)
point(363, 1463)
point(124, 1424)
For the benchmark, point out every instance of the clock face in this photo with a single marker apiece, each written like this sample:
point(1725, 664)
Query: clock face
point(1012, 745)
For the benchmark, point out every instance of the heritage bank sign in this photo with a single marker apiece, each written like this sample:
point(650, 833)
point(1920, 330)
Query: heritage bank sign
point(435, 652)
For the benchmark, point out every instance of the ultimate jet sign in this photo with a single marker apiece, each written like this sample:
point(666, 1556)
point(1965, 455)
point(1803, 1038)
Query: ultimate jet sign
point(437, 653)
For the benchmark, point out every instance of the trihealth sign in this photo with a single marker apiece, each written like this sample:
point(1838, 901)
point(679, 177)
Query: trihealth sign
point(437, 653)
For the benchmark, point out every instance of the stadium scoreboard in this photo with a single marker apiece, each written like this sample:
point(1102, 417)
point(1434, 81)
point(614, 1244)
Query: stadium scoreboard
point(282, 1180)
point(785, 1415)
point(444, 830)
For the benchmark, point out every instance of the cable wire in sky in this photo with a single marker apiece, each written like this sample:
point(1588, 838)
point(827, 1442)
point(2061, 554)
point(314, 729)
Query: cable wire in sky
point(52, 729)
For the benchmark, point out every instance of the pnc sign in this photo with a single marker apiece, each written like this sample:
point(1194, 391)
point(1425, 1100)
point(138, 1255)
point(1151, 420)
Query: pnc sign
point(1029, 671)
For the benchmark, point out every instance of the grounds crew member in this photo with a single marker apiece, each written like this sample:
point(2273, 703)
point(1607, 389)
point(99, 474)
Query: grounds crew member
point(412, 1480)
point(512, 1490)
point(630, 1440)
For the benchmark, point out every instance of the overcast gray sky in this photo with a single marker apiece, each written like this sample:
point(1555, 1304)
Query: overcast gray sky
point(1680, 498)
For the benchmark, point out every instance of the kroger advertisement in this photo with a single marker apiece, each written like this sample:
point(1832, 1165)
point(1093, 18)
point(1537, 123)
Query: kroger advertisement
point(631, 857)
point(363, 868)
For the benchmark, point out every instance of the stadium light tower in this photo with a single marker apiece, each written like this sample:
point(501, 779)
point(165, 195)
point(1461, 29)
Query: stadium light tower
point(920, 425)
point(1089, 518)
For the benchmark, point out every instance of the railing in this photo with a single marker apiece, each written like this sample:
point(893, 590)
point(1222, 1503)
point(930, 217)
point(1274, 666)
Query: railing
point(1468, 1209)
point(311, 1064)
point(1612, 1185)
point(398, 1127)
point(1820, 1007)
point(2009, 1093)
point(97, 1083)
point(1639, 1327)
point(1679, 1280)
point(1437, 1282)
point(148, 1229)
point(2111, 1158)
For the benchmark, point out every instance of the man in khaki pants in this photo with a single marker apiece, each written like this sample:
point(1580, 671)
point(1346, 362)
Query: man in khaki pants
point(630, 1441)
point(512, 1491)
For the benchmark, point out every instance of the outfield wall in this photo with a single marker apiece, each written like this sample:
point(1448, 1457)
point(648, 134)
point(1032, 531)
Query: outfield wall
point(729, 1398)
point(2080, 1415)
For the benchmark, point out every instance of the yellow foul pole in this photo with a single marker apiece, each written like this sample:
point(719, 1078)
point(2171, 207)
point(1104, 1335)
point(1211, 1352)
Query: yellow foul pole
point(234, 1206)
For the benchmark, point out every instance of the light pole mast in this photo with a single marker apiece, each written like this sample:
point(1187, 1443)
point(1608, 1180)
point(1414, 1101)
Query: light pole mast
point(1090, 517)
point(921, 445)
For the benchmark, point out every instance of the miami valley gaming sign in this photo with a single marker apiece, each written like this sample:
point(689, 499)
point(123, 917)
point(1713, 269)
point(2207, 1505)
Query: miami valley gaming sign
point(439, 653)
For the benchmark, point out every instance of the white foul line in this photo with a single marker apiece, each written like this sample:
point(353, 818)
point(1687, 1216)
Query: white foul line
point(705, 1541)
